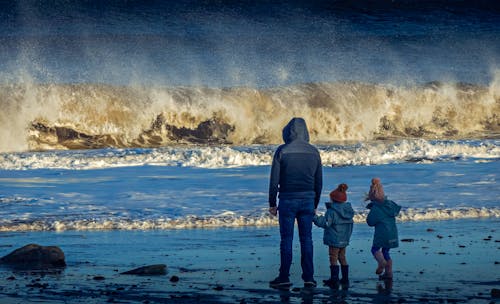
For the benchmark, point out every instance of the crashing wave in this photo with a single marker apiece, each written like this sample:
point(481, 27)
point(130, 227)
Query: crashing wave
point(89, 116)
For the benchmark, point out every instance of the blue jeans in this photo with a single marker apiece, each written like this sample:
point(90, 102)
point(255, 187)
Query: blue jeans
point(303, 211)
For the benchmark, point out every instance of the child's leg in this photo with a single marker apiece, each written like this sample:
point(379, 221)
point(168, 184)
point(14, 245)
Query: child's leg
point(385, 253)
point(379, 256)
point(388, 267)
point(342, 258)
point(344, 268)
point(333, 253)
point(334, 268)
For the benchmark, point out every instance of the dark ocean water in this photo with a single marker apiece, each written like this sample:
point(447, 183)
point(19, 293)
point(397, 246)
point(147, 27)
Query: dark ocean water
point(253, 43)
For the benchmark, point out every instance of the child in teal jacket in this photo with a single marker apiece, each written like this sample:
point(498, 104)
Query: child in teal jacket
point(382, 216)
point(338, 224)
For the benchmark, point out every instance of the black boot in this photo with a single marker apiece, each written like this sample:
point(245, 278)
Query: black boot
point(345, 275)
point(333, 281)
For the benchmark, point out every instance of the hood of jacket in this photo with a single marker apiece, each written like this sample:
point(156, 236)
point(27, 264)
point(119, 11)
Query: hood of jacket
point(388, 207)
point(344, 210)
point(295, 129)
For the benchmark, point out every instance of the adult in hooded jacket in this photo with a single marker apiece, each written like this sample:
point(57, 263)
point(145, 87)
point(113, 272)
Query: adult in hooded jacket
point(296, 174)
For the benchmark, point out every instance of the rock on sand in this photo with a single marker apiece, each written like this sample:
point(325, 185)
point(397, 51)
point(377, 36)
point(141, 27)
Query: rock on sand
point(158, 269)
point(35, 256)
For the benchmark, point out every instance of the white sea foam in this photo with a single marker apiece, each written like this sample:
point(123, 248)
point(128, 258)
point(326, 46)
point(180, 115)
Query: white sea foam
point(225, 219)
point(366, 153)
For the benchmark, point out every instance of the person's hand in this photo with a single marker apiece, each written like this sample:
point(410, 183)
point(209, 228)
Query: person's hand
point(273, 211)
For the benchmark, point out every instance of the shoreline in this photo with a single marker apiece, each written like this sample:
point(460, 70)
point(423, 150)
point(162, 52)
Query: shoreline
point(438, 262)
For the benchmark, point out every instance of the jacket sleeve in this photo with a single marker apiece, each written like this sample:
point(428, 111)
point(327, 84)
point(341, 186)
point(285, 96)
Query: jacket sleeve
point(323, 221)
point(372, 219)
point(274, 178)
point(320, 221)
point(318, 182)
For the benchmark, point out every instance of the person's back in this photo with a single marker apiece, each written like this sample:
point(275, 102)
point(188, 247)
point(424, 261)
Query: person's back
point(296, 169)
point(382, 217)
point(296, 173)
point(337, 224)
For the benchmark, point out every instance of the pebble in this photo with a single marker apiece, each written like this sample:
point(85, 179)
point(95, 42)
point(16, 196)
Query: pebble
point(495, 293)
point(174, 279)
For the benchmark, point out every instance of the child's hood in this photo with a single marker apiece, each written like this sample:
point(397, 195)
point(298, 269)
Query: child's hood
point(344, 210)
point(388, 207)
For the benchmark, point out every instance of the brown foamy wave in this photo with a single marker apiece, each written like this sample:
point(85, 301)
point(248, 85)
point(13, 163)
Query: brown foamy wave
point(86, 116)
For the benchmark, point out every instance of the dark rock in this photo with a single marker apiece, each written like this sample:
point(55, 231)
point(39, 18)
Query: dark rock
point(495, 293)
point(37, 285)
point(439, 236)
point(11, 278)
point(174, 279)
point(99, 278)
point(34, 256)
point(408, 240)
point(158, 269)
point(218, 288)
point(210, 131)
point(430, 230)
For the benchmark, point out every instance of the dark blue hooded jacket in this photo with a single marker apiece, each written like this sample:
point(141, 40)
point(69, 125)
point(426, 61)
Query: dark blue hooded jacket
point(296, 171)
point(382, 216)
point(337, 223)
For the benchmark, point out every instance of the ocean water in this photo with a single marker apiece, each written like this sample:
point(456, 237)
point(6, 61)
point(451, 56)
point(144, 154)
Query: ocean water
point(162, 115)
point(210, 187)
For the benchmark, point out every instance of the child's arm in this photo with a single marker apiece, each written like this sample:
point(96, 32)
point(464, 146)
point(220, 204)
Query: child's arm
point(372, 218)
point(320, 221)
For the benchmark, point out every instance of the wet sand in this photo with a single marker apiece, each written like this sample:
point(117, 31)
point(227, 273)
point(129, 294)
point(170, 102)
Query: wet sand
point(454, 261)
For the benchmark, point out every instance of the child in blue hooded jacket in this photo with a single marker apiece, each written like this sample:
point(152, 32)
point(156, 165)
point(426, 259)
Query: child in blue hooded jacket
point(338, 224)
point(382, 216)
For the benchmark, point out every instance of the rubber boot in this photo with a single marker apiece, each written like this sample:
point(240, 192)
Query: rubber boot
point(381, 262)
point(333, 281)
point(388, 271)
point(345, 275)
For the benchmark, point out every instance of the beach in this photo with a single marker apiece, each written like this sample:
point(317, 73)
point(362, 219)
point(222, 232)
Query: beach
point(140, 133)
point(114, 210)
point(454, 261)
